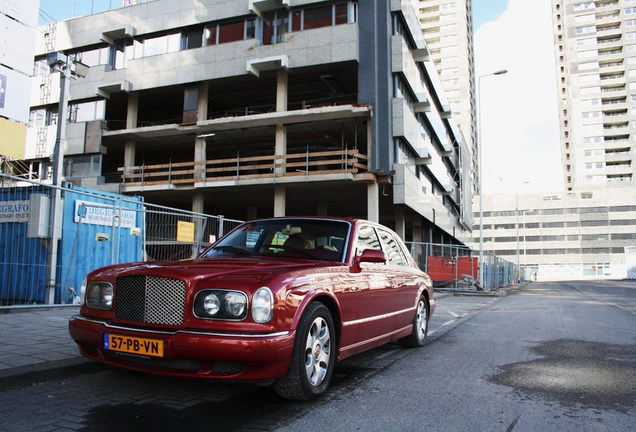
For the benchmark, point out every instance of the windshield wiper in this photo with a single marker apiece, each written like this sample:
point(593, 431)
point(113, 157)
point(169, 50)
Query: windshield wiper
point(231, 249)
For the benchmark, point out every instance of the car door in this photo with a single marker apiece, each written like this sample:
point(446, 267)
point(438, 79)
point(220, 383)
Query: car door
point(375, 290)
point(404, 279)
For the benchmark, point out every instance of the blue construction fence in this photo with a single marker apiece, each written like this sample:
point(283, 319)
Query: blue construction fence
point(94, 229)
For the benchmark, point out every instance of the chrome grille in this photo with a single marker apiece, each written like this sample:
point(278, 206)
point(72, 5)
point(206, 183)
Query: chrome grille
point(150, 299)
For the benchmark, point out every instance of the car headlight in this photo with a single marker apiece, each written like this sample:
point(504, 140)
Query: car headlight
point(211, 304)
point(83, 291)
point(262, 305)
point(99, 295)
point(235, 303)
point(220, 304)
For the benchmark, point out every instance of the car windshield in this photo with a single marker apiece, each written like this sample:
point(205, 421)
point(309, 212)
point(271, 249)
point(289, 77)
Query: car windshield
point(308, 238)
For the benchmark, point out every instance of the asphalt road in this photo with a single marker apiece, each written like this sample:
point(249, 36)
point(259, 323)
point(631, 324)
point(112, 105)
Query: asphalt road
point(549, 357)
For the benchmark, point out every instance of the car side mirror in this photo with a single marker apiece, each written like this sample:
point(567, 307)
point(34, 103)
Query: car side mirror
point(371, 256)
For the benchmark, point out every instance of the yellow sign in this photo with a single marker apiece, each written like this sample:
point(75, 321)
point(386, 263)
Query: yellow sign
point(185, 231)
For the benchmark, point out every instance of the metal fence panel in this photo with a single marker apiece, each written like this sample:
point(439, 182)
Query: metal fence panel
point(457, 267)
point(97, 229)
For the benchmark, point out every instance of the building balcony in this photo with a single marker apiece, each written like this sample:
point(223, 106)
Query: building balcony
point(286, 168)
point(620, 170)
point(618, 156)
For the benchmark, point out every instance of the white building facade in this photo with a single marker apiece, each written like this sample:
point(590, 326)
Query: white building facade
point(563, 236)
point(596, 64)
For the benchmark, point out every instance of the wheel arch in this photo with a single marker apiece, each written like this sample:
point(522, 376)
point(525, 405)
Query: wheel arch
point(330, 303)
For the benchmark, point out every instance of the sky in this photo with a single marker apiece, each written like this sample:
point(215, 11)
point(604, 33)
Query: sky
point(520, 139)
point(519, 118)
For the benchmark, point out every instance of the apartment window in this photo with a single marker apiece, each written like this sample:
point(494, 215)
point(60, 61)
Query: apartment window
point(317, 17)
point(82, 166)
point(594, 165)
point(39, 117)
point(229, 32)
point(275, 26)
point(630, 11)
point(86, 111)
point(593, 140)
point(585, 29)
point(591, 114)
point(95, 57)
point(583, 6)
point(158, 45)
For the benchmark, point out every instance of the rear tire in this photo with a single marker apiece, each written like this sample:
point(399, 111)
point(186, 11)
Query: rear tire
point(313, 357)
point(420, 326)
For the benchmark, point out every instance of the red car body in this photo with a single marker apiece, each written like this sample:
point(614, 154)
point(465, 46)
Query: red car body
point(200, 318)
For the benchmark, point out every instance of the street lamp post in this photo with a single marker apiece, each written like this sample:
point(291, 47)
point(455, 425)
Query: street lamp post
point(68, 69)
point(479, 179)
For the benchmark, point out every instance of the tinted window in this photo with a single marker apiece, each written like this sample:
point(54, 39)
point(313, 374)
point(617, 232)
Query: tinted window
point(367, 239)
point(392, 249)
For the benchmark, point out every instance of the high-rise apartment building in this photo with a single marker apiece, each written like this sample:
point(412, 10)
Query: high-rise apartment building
point(448, 30)
point(596, 64)
point(258, 108)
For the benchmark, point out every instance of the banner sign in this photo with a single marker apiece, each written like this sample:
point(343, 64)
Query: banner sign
point(14, 211)
point(99, 214)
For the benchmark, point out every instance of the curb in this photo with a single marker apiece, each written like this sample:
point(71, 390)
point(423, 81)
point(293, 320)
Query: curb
point(55, 370)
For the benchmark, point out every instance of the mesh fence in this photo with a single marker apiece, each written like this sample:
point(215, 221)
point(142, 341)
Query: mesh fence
point(90, 229)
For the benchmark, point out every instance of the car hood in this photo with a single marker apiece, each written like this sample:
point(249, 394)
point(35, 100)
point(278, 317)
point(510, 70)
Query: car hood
point(256, 268)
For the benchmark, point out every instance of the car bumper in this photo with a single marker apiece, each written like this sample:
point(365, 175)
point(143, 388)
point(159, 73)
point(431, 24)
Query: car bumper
point(196, 354)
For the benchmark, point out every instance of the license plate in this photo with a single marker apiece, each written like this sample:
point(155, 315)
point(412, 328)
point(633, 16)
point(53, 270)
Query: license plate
point(133, 345)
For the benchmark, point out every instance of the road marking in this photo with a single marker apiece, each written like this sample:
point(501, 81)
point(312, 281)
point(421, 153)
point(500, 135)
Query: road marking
point(442, 325)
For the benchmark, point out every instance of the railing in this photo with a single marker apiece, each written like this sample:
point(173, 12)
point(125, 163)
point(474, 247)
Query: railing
point(246, 167)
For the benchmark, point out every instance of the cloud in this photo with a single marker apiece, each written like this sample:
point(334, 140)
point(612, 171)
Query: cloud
point(519, 110)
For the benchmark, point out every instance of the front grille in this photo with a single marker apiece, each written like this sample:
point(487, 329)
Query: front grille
point(190, 365)
point(150, 299)
point(227, 368)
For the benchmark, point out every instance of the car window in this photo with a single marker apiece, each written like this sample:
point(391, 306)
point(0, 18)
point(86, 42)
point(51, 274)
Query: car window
point(367, 239)
point(392, 248)
point(309, 238)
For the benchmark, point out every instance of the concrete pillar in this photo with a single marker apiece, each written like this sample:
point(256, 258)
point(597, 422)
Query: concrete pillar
point(200, 146)
point(282, 90)
point(281, 149)
point(133, 110)
point(373, 202)
point(279, 201)
point(131, 123)
point(400, 222)
point(198, 202)
point(418, 251)
point(130, 147)
point(202, 109)
point(417, 229)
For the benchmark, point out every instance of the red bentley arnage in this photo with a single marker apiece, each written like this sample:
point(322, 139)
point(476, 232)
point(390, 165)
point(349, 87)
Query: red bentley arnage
point(278, 299)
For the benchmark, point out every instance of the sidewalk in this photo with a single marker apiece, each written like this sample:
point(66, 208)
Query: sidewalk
point(35, 344)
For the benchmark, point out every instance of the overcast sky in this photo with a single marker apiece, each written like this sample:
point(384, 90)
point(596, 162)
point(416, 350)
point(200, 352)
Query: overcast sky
point(519, 116)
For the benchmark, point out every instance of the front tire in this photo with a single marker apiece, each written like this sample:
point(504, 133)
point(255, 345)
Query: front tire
point(420, 326)
point(313, 357)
